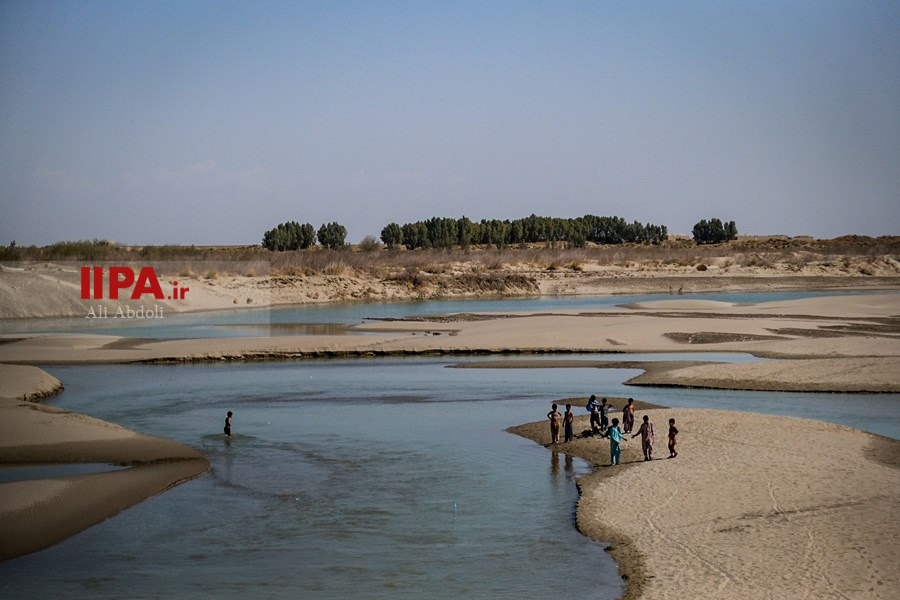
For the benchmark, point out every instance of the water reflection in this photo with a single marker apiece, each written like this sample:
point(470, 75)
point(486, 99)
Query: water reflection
point(9, 474)
point(333, 318)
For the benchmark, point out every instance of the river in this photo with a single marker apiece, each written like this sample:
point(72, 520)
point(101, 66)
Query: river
point(365, 478)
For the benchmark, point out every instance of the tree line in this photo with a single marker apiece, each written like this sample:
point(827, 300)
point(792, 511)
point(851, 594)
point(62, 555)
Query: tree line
point(439, 232)
point(295, 236)
point(714, 231)
point(443, 232)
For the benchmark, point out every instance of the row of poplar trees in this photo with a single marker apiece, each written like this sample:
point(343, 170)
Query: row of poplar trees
point(442, 232)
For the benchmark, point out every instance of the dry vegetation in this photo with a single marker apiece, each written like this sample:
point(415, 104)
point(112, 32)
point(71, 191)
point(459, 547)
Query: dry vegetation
point(371, 272)
point(374, 259)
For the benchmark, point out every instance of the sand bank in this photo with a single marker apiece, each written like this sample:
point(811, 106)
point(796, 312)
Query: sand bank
point(841, 343)
point(36, 514)
point(754, 506)
point(27, 383)
point(42, 289)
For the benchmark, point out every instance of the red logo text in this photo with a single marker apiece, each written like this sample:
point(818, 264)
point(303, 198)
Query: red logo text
point(122, 278)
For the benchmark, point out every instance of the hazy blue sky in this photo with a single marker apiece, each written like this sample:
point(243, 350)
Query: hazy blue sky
point(186, 122)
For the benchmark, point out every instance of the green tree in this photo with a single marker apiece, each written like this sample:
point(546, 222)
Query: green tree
point(534, 229)
point(289, 236)
point(714, 231)
point(415, 235)
point(446, 233)
point(731, 231)
point(495, 232)
point(559, 230)
point(465, 230)
point(303, 236)
point(392, 235)
point(578, 233)
point(441, 232)
point(332, 235)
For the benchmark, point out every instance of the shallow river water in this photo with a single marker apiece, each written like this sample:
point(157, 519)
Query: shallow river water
point(365, 478)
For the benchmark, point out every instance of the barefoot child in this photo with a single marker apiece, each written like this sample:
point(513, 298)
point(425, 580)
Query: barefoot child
point(615, 441)
point(604, 416)
point(628, 416)
point(646, 433)
point(673, 431)
point(594, 407)
point(569, 423)
point(555, 422)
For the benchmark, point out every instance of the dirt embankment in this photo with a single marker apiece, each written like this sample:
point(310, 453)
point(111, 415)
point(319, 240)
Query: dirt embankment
point(43, 289)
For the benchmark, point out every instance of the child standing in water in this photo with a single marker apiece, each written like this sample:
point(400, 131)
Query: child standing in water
point(569, 421)
point(615, 441)
point(673, 431)
point(228, 423)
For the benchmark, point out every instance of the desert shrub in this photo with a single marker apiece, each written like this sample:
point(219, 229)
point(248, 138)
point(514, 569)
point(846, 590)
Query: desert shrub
point(496, 282)
point(437, 268)
point(96, 250)
point(337, 267)
point(169, 252)
point(369, 244)
point(290, 271)
point(11, 252)
point(411, 277)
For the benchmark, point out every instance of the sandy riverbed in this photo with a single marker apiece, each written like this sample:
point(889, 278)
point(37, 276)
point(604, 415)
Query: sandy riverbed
point(753, 506)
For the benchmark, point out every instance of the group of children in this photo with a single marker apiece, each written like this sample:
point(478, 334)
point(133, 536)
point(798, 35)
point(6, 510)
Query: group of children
point(600, 425)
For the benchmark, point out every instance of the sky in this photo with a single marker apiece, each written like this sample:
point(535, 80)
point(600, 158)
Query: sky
point(195, 122)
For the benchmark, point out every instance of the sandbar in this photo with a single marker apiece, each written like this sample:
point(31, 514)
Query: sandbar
point(37, 513)
point(753, 506)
